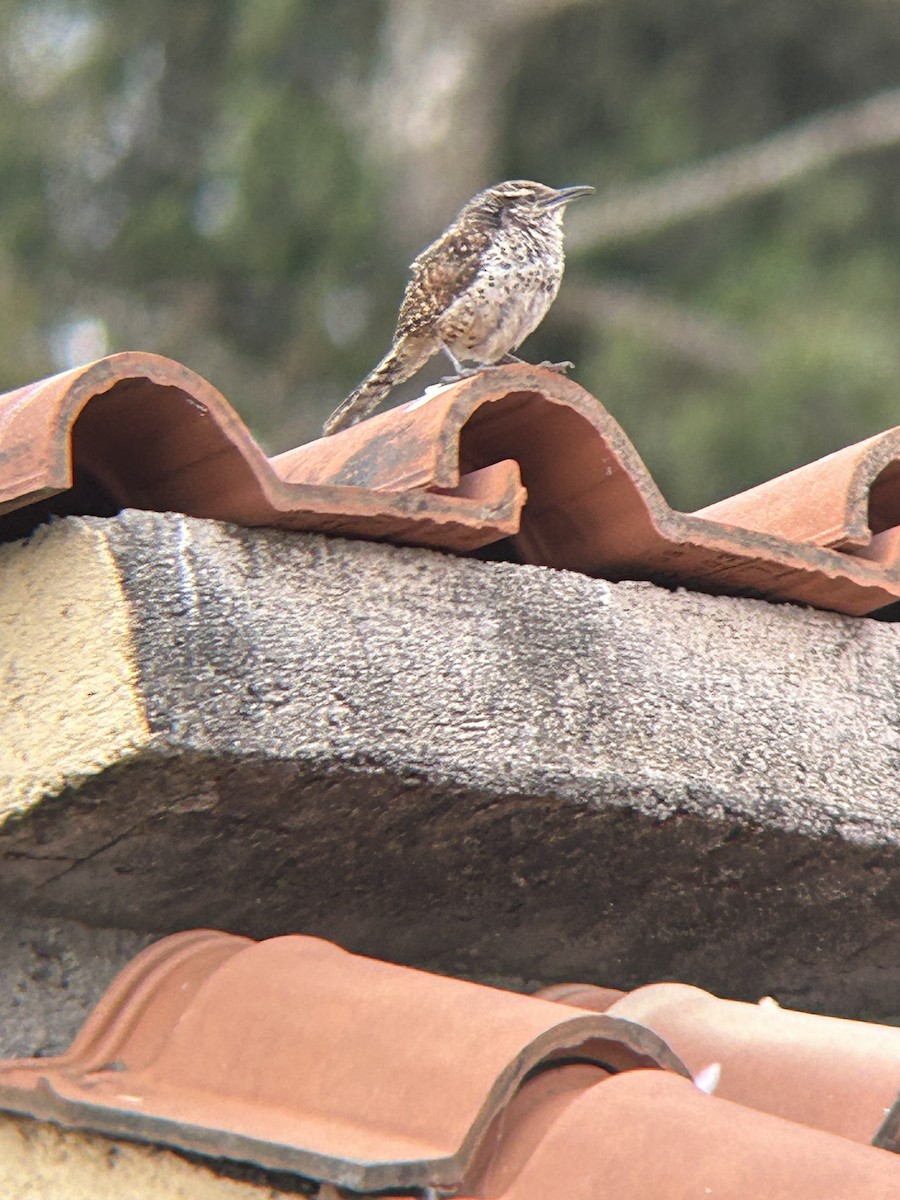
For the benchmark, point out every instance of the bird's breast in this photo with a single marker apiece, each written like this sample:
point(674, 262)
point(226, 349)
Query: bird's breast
point(505, 302)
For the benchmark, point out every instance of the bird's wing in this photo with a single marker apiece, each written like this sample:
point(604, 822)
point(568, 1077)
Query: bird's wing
point(439, 274)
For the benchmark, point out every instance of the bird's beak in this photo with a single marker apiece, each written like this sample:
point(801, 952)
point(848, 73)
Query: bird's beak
point(565, 196)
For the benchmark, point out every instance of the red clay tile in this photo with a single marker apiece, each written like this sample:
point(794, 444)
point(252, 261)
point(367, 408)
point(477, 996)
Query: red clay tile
point(582, 995)
point(297, 1055)
point(448, 471)
point(839, 501)
point(145, 432)
point(649, 1134)
point(593, 507)
point(836, 1075)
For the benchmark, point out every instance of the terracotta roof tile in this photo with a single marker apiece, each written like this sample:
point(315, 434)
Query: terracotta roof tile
point(836, 1075)
point(582, 995)
point(139, 431)
point(649, 1134)
point(136, 430)
point(838, 502)
point(294, 1054)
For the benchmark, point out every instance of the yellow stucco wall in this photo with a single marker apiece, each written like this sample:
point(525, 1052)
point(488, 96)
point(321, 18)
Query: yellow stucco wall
point(39, 1161)
point(70, 699)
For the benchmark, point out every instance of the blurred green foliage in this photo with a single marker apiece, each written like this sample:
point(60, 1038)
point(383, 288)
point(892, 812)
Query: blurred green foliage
point(220, 182)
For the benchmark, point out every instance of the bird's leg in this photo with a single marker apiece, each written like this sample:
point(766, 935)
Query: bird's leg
point(467, 372)
point(454, 361)
point(461, 371)
point(507, 360)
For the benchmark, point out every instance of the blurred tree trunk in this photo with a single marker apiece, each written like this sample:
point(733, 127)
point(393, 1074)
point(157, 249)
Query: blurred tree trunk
point(432, 113)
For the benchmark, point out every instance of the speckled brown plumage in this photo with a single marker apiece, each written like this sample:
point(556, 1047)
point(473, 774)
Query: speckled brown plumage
point(477, 292)
point(439, 275)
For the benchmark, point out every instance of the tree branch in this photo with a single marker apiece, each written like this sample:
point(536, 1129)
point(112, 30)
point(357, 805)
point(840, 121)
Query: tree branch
point(739, 174)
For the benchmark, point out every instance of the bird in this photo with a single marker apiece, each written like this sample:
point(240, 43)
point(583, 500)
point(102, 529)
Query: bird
point(475, 293)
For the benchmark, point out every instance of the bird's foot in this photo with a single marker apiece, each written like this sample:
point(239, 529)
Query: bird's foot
point(467, 373)
point(560, 367)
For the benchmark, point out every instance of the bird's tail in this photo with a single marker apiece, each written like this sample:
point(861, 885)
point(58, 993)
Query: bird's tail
point(403, 359)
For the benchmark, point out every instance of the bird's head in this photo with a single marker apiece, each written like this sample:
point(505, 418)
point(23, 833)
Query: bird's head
point(523, 202)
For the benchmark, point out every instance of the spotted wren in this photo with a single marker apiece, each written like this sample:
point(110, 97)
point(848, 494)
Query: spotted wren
point(477, 292)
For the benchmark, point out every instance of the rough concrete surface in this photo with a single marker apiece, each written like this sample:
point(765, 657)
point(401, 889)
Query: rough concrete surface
point(508, 772)
point(52, 973)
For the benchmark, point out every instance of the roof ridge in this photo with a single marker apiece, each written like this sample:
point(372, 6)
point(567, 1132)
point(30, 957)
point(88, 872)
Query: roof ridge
point(451, 470)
